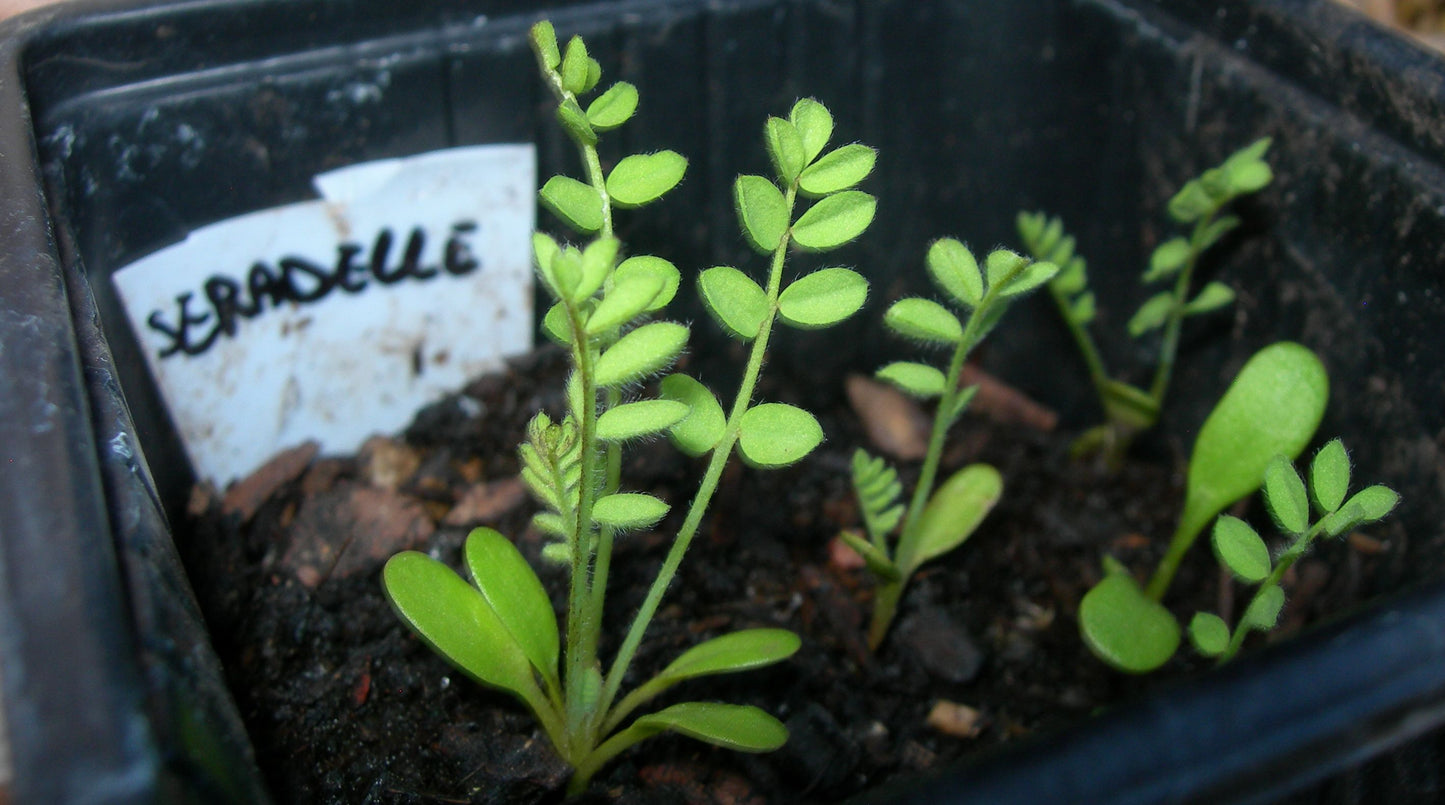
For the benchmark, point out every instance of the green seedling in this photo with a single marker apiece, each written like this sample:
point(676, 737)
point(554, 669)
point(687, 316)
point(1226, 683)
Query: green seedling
point(933, 524)
point(1200, 205)
point(1239, 548)
point(501, 629)
point(1271, 409)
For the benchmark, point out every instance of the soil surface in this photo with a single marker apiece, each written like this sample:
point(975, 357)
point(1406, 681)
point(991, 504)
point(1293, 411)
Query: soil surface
point(345, 705)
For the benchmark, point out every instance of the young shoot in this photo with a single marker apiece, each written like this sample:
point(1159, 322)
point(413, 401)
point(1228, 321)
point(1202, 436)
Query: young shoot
point(1239, 548)
point(1200, 207)
point(1271, 409)
point(501, 629)
point(932, 523)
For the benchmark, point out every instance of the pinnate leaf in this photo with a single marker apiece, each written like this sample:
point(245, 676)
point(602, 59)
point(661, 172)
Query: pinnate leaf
point(643, 178)
point(1330, 476)
point(918, 379)
point(516, 595)
point(838, 169)
point(614, 107)
point(822, 298)
point(762, 211)
point(776, 435)
point(955, 270)
point(814, 124)
point(1240, 549)
point(577, 204)
point(1284, 496)
point(738, 303)
point(702, 427)
point(923, 320)
point(639, 353)
point(834, 220)
point(637, 419)
point(628, 510)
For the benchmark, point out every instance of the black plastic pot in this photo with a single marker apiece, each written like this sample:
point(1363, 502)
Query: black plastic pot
point(1093, 109)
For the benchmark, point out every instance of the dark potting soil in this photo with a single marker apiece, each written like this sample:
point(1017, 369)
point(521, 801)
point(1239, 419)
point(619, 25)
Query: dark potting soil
point(345, 705)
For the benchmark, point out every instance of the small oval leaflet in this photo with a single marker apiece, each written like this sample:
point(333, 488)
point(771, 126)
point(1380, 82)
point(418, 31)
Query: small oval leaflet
point(918, 379)
point(1211, 297)
point(1125, 628)
point(1365, 506)
point(776, 435)
point(923, 320)
point(740, 727)
point(613, 107)
point(575, 66)
point(598, 260)
point(629, 298)
point(734, 300)
point(574, 121)
point(955, 271)
point(1263, 612)
point(1168, 259)
point(639, 353)
point(643, 178)
point(1002, 266)
point(1284, 496)
point(785, 147)
point(1032, 277)
point(646, 264)
point(838, 169)
point(636, 419)
point(516, 595)
point(815, 126)
point(737, 651)
point(1240, 549)
point(834, 220)
point(700, 430)
point(1152, 314)
point(1209, 634)
point(577, 204)
point(628, 510)
point(822, 298)
point(1330, 476)
point(762, 211)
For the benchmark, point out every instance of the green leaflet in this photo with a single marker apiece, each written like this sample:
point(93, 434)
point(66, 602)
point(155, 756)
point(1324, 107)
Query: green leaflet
point(665, 272)
point(643, 178)
point(734, 300)
point(454, 619)
point(1285, 497)
point(785, 148)
point(1263, 612)
point(516, 595)
point(1152, 314)
point(631, 295)
point(1126, 628)
point(918, 379)
point(1211, 297)
point(1209, 634)
point(613, 107)
point(762, 212)
point(814, 124)
point(637, 419)
point(955, 271)
point(822, 298)
point(776, 435)
point(577, 204)
point(648, 349)
point(628, 510)
point(834, 220)
point(839, 169)
point(1240, 549)
point(1330, 476)
point(923, 320)
point(703, 427)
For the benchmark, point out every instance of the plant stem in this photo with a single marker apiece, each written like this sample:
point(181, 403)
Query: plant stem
point(1169, 348)
point(721, 452)
point(1298, 549)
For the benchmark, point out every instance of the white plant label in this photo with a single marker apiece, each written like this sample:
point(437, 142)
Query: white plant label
point(334, 319)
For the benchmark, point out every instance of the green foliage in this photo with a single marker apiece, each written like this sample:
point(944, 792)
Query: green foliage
point(1199, 205)
point(501, 629)
point(935, 522)
point(1242, 551)
point(1265, 418)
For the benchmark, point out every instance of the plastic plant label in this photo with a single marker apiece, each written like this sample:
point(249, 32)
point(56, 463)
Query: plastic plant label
point(334, 319)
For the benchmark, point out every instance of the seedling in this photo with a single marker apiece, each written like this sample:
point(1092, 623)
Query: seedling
point(501, 629)
point(935, 523)
point(1239, 547)
point(1200, 205)
point(1271, 409)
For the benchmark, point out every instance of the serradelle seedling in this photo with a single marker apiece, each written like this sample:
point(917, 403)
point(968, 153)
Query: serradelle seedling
point(934, 523)
point(501, 629)
point(1266, 417)
point(1199, 205)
